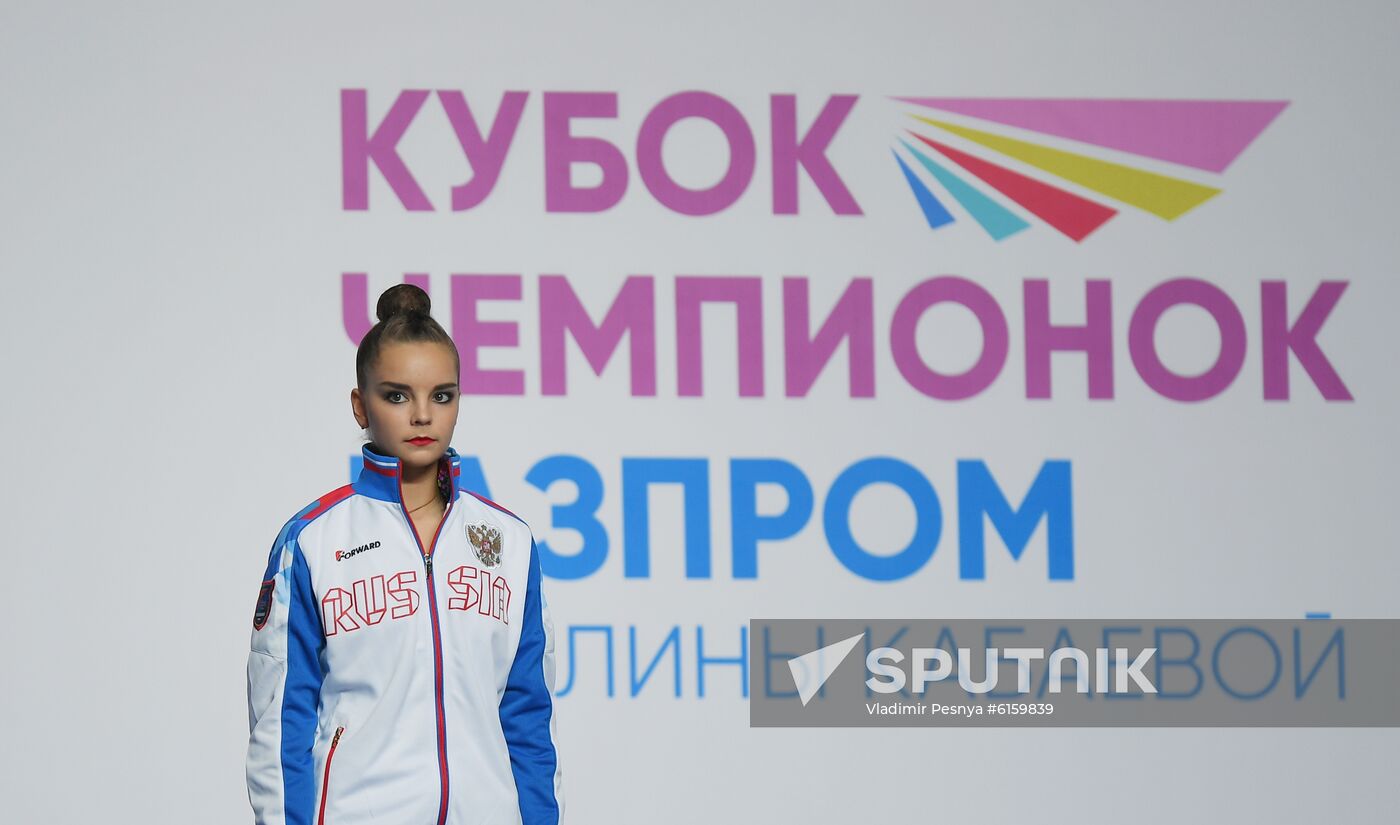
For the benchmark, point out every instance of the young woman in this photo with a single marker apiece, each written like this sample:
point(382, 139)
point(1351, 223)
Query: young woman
point(402, 662)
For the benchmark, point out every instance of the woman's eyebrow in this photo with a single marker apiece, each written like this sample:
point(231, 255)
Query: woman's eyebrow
point(394, 385)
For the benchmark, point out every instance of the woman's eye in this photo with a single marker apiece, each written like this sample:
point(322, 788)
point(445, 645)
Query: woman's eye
point(445, 397)
point(392, 395)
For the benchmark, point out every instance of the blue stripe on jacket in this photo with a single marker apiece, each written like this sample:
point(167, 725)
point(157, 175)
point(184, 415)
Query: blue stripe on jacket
point(302, 693)
point(526, 710)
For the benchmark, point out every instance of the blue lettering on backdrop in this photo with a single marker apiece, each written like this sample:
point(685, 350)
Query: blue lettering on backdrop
point(980, 499)
point(579, 516)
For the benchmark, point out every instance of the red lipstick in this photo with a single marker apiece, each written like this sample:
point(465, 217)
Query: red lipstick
point(421, 441)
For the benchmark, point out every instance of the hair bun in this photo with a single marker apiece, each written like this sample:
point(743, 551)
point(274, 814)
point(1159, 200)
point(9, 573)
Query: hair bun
point(402, 298)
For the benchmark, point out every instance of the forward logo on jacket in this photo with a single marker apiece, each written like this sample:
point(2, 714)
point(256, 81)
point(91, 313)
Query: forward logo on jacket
point(342, 555)
point(486, 543)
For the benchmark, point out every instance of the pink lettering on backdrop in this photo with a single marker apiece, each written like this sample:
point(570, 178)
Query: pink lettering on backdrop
point(633, 311)
point(652, 168)
point(1094, 338)
point(851, 320)
point(746, 293)
point(948, 289)
point(809, 153)
point(562, 149)
point(1142, 345)
point(473, 334)
point(1301, 339)
point(806, 353)
point(358, 149)
point(485, 154)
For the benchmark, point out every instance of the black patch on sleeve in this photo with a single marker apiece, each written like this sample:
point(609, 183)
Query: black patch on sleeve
point(264, 608)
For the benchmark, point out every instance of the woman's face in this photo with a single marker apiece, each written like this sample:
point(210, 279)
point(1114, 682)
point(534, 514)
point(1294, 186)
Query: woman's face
point(411, 394)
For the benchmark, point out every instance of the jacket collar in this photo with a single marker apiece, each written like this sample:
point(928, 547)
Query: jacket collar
point(382, 476)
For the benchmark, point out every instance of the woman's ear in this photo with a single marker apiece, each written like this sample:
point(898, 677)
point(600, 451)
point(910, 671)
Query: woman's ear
point(357, 408)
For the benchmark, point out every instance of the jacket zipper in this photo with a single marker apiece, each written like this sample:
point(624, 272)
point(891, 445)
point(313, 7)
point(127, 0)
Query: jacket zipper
point(437, 641)
point(326, 777)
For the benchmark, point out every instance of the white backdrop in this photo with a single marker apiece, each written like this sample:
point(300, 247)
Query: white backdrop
point(173, 250)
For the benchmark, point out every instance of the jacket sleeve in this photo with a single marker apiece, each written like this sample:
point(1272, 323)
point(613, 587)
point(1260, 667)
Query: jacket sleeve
point(527, 710)
point(284, 688)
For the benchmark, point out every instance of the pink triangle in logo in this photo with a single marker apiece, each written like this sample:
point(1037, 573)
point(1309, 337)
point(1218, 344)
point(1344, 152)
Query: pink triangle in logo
point(1203, 134)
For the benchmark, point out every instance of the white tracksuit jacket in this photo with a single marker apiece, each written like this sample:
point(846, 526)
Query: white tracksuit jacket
point(394, 683)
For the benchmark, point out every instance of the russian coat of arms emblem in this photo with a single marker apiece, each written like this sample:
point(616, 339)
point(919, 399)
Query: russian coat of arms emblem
point(486, 543)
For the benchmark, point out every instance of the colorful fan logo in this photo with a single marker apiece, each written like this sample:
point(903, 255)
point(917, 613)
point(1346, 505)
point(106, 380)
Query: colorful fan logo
point(1204, 135)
